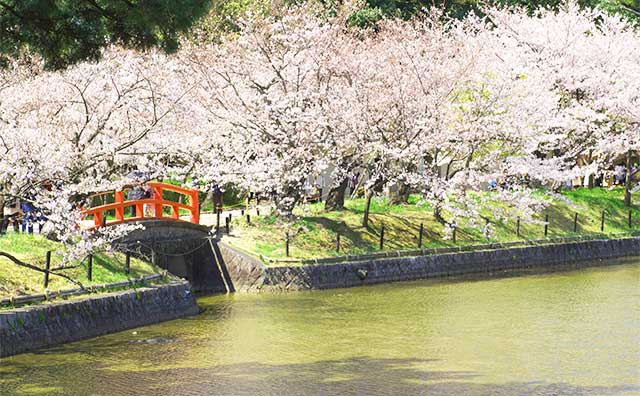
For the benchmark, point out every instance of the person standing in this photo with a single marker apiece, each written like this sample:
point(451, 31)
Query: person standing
point(149, 209)
point(136, 193)
point(619, 172)
point(217, 196)
point(27, 217)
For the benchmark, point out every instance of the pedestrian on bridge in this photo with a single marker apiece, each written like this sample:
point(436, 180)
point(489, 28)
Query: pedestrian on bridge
point(136, 193)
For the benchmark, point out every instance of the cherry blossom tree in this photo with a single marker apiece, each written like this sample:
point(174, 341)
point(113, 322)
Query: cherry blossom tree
point(590, 60)
point(83, 130)
point(432, 105)
point(265, 96)
point(428, 93)
point(293, 96)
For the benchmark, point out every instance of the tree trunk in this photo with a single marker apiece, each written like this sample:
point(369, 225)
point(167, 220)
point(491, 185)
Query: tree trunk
point(2, 201)
point(437, 213)
point(400, 195)
point(286, 202)
point(627, 182)
point(367, 208)
point(590, 181)
point(335, 198)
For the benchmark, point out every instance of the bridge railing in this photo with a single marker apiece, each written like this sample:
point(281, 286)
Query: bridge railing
point(157, 202)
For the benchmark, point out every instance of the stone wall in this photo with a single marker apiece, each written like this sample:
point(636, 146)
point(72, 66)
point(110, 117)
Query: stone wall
point(244, 273)
point(165, 230)
point(325, 276)
point(193, 260)
point(34, 327)
point(181, 248)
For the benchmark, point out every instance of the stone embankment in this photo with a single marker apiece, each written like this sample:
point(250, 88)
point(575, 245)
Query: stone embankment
point(251, 275)
point(39, 326)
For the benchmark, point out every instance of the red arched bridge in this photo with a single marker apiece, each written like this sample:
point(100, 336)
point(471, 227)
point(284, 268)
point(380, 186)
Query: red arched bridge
point(152, 208)
point(173, 239)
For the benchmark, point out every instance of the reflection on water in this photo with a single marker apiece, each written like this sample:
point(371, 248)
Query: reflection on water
point(572, 333)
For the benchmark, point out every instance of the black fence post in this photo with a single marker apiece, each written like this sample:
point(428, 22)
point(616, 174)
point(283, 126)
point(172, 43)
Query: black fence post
point(227, 225)
point(630, 223)
point(382, 237)
point(217, 221)
point(454, 236)
point(47, 266)
point(338, 242)
point(546, 225)
point(127, 263)
point(248, 218)
point(90, 267)
point(518, 227)
point(257, 211)
point(286, 244)
point(241, 212)
point(420, 235)
point(575, 222)
point(602, 222)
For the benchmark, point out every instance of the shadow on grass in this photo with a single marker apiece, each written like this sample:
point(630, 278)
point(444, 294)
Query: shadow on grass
point(341, 227)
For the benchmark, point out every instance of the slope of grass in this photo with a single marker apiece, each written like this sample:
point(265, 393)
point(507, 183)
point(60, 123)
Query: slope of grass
point(16, 280)
point(314, 233)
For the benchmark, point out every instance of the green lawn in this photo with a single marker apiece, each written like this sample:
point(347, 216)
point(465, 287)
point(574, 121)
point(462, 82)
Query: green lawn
point(16, 280)
point(313, 234)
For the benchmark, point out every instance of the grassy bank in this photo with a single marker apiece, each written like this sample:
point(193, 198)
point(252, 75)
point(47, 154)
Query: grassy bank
point(16, 280)
point(314, 233)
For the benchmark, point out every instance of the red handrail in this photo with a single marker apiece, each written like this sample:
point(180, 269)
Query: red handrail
point(157, 201)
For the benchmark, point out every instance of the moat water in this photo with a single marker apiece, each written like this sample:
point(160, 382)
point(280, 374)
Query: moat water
point(564, 333)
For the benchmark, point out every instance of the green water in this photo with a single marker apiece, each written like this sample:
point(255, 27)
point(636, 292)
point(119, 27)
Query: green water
point(569, 333)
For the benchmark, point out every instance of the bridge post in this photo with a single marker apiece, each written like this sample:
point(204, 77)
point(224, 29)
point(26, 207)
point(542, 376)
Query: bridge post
point(175, 212)
point(195, 207)
point(97, 219)
point(157, 195)
point(119, 199)
point(140, 210)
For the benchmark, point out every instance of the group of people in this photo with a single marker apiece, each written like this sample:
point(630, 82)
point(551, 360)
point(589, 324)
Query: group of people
point(620, 174)
point(140, 191)
point(507, 181)
point(312, 192)
point(24, 217)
